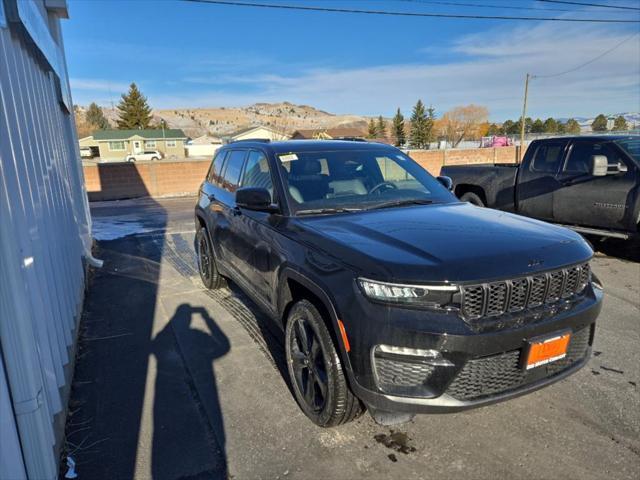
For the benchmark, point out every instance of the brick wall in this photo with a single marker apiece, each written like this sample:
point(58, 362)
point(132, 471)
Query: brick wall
point(433, 160)
point(114, 181)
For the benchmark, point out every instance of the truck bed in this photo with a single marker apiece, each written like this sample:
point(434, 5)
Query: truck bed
point(493, 182)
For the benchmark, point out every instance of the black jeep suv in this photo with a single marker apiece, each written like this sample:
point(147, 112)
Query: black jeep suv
point(391, 292)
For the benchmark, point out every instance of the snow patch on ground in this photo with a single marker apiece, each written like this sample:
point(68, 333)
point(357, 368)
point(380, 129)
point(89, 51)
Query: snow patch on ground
point(112, 229)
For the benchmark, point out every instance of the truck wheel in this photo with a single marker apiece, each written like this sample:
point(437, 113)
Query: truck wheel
point(473, 199)
point(316, 373)
point(209, 274)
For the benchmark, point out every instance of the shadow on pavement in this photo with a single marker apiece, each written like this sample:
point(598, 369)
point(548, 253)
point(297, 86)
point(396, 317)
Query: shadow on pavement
point(144, 400)
point(174, 349)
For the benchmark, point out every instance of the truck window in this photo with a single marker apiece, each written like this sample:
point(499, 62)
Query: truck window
point(581, 153)
point(547, 158)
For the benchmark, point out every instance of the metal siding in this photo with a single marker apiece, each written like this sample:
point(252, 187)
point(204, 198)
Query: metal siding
point(43, 234)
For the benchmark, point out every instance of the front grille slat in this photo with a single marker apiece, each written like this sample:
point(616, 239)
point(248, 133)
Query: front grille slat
point(498, 298)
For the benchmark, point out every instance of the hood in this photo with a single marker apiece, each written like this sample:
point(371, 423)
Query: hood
point(443, 242)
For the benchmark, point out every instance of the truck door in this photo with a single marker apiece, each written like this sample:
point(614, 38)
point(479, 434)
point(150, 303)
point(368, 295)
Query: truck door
point(537, 179)
point(583, 199)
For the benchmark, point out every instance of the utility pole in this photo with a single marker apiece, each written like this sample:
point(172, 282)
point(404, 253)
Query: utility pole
point(524, 115)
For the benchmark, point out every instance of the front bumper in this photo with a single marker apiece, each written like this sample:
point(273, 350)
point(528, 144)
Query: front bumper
point(480, 368)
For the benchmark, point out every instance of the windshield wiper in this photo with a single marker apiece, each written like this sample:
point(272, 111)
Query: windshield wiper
point(316, 211)
point(398, 203)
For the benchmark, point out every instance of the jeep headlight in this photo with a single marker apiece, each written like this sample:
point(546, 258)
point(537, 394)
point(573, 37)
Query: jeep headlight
point(429, 296)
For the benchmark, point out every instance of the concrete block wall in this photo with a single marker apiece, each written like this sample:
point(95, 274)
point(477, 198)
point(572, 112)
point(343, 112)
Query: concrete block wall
point(114, 181)
point(433, 160)
point(157, 179)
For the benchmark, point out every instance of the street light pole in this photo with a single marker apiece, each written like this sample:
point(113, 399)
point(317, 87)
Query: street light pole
point(524, 115)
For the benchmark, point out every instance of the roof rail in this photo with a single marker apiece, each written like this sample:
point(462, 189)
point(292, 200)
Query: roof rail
point(352, 139)
point(260, 140)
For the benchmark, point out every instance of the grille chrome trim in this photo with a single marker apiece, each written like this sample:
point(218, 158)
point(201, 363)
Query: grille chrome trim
point(514, 295)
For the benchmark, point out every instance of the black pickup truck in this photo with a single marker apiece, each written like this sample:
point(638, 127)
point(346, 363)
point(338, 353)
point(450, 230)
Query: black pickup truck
point(591, 184)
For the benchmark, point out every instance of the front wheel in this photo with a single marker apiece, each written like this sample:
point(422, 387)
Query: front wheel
point(316, 373)
point(473, 199)
point(154, 159)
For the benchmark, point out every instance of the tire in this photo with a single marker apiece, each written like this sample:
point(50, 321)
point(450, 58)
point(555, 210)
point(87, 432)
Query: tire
point(315, 370)
point(473, 199)
point(131, 159)
point(154, 159)
point(207, 267)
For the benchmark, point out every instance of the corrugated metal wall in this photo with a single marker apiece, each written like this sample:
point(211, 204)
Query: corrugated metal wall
point(44, 226)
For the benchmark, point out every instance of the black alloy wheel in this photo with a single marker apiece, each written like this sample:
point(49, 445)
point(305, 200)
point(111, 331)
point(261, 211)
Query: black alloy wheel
point(209, 274)
point(317, 377)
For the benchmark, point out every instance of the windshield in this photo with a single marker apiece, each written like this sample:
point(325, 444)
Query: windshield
point(348, 180)
point(632, 146)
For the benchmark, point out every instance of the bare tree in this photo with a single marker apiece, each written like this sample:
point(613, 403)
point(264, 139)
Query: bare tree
point(463, 122)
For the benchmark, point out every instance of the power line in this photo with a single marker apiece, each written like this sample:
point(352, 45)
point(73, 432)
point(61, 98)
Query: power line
point(479, 5)
point(405, 14)
point(588, 62)
point(585, 4)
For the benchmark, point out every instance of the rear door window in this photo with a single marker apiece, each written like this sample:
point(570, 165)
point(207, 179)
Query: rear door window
point(232, 169)
point(547, 157)
point(215, 172)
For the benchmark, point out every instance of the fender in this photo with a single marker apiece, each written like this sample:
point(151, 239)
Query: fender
point(289, 273)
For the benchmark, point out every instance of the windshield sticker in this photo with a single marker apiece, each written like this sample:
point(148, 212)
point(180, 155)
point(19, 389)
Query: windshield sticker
point(288, 157)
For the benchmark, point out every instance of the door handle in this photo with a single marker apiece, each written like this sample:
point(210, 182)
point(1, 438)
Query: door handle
point(211, 197)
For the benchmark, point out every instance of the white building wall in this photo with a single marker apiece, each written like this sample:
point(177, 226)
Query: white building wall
point(44, 231)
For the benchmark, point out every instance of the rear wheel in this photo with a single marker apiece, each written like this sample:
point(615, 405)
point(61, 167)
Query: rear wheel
point(473, 199)
point(154, 159)
point(209, 274)
point(316, 373)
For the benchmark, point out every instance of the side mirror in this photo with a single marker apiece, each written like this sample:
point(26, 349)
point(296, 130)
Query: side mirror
point(255, 198)
point(616, 168)
point(599, 165)
point(447, 182)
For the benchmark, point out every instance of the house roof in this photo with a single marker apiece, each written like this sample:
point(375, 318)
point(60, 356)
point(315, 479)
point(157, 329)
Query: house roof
point(332, 132)
point(171, 133)
point(249, 129)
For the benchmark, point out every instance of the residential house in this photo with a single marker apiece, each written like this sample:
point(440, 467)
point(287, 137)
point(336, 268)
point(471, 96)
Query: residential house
point(328, 133)
point(117, 144)
point(257, 132)
point(203, 146)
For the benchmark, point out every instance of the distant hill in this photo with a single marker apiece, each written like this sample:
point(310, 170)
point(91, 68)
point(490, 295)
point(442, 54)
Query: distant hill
point(224, 120)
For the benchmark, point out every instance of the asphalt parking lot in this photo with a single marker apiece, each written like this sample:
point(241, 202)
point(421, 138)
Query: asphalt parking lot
point(173, 381)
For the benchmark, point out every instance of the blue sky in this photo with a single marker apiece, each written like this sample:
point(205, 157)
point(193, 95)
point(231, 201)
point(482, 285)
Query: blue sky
point(197, 55)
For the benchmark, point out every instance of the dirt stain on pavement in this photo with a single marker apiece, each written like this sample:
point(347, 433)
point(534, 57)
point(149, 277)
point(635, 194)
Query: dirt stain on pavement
point(398, 441)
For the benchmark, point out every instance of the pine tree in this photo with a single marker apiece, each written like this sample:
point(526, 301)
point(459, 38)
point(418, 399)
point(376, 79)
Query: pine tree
point(429, 125)
point(550, 125)
point(381, 128)
point(599, 124)
point(572, 127)
point(398, 129)
point(96, 118)
point(620, 124)
point(133, 110)
point(373, 129)
point(418, 136)
point(537, 126)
